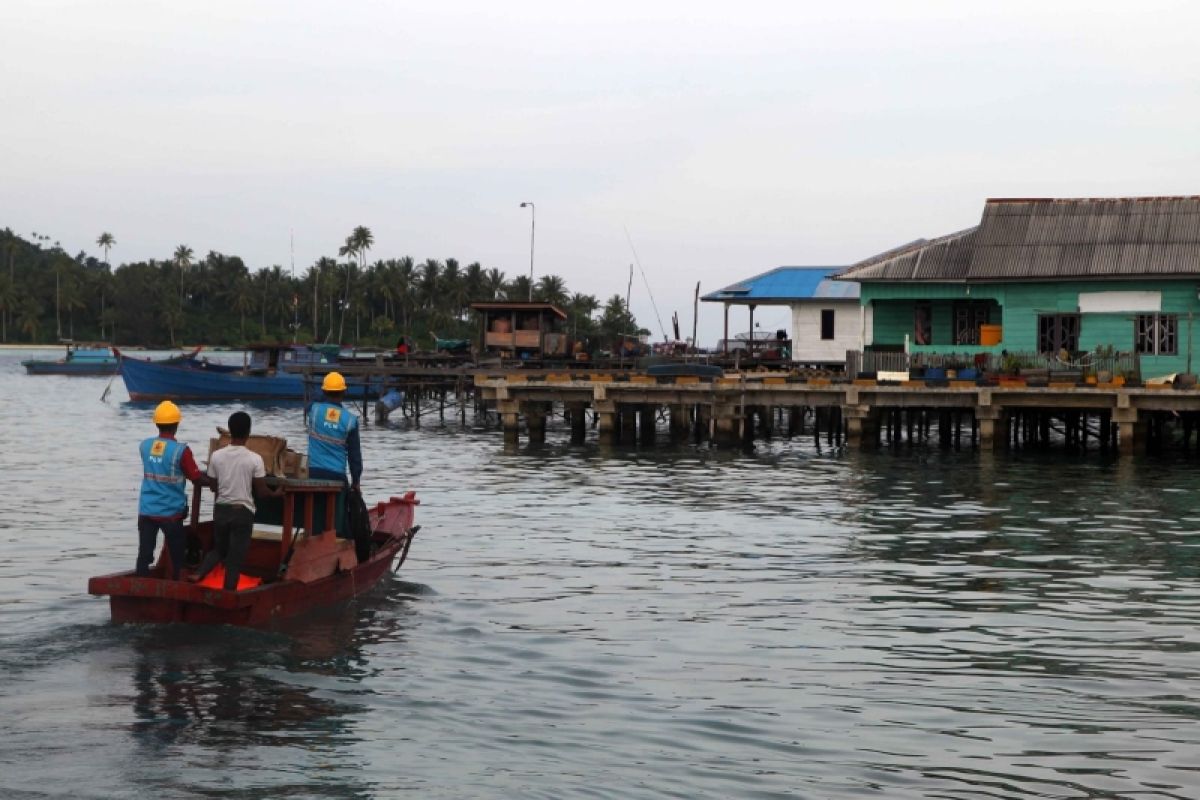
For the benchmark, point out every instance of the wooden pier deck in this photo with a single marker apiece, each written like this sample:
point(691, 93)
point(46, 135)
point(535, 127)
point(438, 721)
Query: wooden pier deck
point(734, 409)
point(625, 407)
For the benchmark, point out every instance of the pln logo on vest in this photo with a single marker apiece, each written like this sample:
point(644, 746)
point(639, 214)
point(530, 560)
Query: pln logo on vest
point(158, 448)
point(333, 415)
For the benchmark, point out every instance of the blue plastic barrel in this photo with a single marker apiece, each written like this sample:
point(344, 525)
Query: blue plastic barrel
point(392, 400)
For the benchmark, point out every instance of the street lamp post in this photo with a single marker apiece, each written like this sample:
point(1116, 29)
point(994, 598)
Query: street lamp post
point(532, 223)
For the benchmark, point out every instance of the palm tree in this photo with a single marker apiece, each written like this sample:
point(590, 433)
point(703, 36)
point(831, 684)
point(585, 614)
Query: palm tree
point(581, 307)
point(106, 241)
point(357, 244)
point(313, 276)
point(240, 297)
point(616, 319)
point(403, 281)
point(453, 291)
point(102, 281)
point(72, 299)
point(284, 300)
point(11, 244)
point(427, 288)
point(172, 318)
point(493, 284)
point(551, 289)
point(382, 286)
point(183, 260)
point(261, 283)
point(8, 301)
point(329, 282)
point(473, 277)
point(204, 281)
point(518, 289)
point(58, 265)
point(29, 316)
point(363, 240)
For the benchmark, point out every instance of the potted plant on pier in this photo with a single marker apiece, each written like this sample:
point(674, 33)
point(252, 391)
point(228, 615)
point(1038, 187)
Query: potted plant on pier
point(1010, 371)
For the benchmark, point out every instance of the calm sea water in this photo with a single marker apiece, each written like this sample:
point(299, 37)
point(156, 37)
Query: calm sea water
point(629, 623)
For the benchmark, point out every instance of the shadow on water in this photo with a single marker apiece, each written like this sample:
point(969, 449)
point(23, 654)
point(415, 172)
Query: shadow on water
point(231, 710)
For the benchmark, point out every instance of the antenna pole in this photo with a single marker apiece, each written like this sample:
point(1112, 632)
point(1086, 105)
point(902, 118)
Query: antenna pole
point(646, 281)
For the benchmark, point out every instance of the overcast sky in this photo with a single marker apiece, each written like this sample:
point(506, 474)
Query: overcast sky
point(728, 138)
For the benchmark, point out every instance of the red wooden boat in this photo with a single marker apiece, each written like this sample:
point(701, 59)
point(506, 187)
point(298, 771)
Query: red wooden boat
point(298, 570)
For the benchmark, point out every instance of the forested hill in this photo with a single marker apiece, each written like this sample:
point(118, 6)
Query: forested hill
point(47, 294)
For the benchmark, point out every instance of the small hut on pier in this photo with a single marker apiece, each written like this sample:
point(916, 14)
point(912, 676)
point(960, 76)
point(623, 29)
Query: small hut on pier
point(825, 315)
point(526, 331)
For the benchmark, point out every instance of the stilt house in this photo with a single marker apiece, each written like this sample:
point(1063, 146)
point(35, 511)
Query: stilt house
point(1045, 276)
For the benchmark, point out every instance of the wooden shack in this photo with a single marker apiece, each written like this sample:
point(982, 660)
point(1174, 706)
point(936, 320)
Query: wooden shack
point(525, 331)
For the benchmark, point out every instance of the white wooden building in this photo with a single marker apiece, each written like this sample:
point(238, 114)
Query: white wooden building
point(826, 317)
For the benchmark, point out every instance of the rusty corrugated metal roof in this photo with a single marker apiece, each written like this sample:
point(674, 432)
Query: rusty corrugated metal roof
point(1054, 239)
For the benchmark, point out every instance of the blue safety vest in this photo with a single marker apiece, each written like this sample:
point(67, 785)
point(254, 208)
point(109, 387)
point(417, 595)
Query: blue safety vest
point(329, 425)
point(163, 491)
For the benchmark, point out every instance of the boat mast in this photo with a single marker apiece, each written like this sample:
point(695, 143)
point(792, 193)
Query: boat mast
point(295, 297)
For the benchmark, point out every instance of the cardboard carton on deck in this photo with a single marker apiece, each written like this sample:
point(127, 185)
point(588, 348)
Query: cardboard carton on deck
point(278, 459)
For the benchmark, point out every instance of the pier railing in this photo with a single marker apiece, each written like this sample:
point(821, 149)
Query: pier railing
point(1126, 365)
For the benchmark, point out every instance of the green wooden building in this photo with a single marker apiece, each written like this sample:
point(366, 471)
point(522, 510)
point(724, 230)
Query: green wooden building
point(1042, 276)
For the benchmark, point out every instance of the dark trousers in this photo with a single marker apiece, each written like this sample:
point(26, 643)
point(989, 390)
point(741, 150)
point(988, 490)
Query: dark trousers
point(316, 473)
point(232, 527)
point(148, 536)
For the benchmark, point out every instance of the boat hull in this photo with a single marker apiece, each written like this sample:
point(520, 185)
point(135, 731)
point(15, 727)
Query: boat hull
point(69, 368)
point(134, 599)
point(148, 381)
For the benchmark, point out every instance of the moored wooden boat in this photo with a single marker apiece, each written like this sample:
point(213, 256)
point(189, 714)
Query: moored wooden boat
point(91, 359)
point(272, 372)
point(81, 359)
point(299, 571)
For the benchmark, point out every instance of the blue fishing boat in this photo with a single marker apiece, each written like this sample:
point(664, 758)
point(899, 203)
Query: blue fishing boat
point(81, 359)
point(271, 372)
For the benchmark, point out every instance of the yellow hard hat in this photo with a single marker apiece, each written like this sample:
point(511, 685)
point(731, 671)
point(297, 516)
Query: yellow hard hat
point(334, 382)
point(167, 413)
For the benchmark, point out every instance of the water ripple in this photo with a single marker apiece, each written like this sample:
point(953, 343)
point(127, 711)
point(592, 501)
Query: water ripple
point(621, 623)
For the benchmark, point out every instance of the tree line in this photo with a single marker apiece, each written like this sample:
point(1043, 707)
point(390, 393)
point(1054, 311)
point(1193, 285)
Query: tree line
point(47, 295)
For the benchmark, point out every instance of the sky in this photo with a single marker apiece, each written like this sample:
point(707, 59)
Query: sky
point(713, 140)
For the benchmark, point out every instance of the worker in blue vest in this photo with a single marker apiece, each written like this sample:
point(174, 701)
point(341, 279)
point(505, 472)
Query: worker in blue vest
point(167, 465)
point(333, 436)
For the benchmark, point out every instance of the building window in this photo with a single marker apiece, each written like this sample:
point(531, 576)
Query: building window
point(968, 316)
point(826, 324)
point(1156, 334)
point(1058, 332)
point(923, 322)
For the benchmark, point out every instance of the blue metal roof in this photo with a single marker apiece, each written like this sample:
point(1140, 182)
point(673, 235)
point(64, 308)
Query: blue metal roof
point(785, 285)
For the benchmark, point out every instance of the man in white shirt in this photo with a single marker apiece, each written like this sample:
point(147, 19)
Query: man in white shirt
point(240, 474)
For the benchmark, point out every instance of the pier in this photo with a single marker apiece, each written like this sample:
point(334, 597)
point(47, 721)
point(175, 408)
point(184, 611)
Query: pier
point(736, 410)
point(624, 407)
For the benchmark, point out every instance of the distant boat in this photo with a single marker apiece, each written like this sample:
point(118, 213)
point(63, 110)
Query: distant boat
point(92, 359)
point(273, 372)
point(81, 359)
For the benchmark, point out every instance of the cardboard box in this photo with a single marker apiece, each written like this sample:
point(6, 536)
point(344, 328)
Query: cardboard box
point(295, 465)
point(277, 458)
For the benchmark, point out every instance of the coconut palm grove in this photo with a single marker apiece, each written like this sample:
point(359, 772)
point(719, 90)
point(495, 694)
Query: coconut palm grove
point(47, 294)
